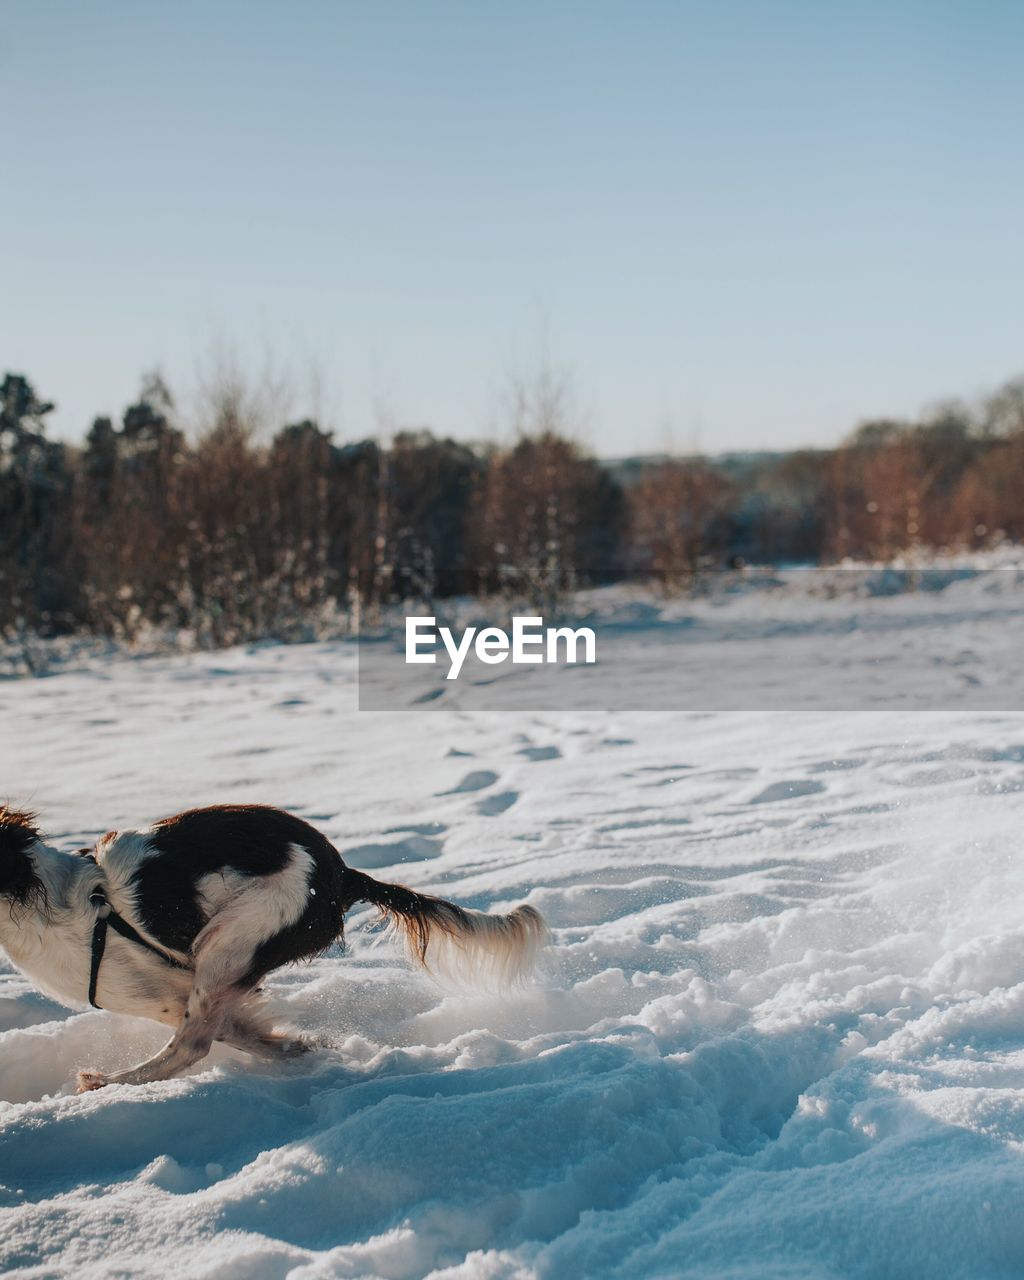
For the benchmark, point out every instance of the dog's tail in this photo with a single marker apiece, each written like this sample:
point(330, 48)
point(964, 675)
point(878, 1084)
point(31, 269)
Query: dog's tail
point(453, 942)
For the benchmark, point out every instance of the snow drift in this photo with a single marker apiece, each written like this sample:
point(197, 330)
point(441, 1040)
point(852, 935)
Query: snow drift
point(780, 1032)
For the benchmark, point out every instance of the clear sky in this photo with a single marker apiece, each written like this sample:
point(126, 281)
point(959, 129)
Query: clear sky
point(735, 224)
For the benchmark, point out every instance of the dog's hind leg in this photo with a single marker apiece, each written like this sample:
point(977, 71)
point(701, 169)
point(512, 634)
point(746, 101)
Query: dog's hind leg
point(273, 1043)
point(250, 1027)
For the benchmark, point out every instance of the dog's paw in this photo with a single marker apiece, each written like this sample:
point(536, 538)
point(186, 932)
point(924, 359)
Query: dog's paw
point(90, 1080)
point(297, 1046)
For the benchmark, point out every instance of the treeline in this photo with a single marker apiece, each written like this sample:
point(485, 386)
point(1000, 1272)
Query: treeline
point(952, 481)
point(229, 537)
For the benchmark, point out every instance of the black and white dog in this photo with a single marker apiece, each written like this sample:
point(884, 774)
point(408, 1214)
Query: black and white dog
point(181, 921)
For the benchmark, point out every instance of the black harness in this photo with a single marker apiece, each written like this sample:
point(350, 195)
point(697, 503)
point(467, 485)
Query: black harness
point(107, 918)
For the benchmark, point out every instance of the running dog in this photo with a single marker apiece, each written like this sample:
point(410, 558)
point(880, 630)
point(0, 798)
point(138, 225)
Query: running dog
point(180, 922)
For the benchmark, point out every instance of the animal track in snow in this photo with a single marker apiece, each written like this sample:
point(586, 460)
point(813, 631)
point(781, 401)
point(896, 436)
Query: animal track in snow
point(491, 806)
point(414, 848)
point(475, 781)
point(788, 791)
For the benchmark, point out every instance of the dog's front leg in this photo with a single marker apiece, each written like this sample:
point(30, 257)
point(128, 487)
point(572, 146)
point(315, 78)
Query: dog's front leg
point(204, 1016)
point(222, 958)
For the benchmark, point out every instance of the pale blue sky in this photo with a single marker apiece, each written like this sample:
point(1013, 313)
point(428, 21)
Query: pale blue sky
point(735, 224)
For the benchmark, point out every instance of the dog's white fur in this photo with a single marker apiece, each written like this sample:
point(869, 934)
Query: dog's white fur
point(48, 935)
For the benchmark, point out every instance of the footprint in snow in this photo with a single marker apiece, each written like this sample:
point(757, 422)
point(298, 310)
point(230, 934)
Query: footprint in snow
point(491, 806)
point(788, 791)
point(540, 753)
point(415, 848)
point(475, 781)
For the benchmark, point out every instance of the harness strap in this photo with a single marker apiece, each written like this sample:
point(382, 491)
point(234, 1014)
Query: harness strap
point(99, 943)
point(107, 917)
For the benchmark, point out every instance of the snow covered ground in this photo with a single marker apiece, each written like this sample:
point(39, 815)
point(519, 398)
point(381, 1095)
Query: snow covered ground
point(780, 1032)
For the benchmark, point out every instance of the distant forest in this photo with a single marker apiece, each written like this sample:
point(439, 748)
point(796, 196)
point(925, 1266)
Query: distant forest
point(229, 535)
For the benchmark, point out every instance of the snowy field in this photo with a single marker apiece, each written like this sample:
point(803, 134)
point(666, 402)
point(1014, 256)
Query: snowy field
point(780, 1032)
